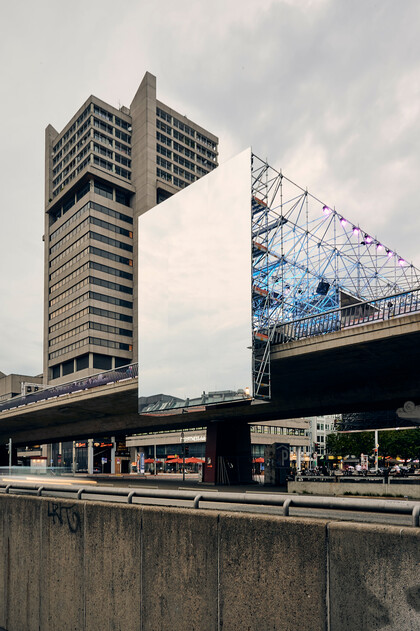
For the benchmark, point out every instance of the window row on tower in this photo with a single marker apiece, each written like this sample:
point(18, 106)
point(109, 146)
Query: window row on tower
point(96, 341)
point(97, 326)
point(91, 310)
point(76, 143)
point(91, 295)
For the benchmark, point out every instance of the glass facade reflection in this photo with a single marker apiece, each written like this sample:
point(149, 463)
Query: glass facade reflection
point(195, 319)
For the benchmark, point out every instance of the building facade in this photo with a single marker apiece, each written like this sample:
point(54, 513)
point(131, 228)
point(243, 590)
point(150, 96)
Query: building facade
point(319, 428)
point(293, 432)
point(18, 385)
point(102, 171)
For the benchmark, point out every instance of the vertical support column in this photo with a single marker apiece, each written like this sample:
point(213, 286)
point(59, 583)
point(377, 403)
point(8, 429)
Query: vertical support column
point(376, 449)
point(298, 458)
point(228, 453)
point(74, 464)
point(90, 456)
point(10, 453)
point(113, 449)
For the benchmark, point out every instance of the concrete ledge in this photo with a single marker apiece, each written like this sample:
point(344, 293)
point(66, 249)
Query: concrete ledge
point(364, 488)
point(87, 565)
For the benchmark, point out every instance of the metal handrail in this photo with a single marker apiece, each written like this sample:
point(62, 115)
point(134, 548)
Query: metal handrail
point(130, 371)
point(401, 507)
point(363, 312)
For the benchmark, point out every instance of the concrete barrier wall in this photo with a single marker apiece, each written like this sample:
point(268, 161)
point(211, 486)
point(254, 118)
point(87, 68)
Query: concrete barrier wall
point(411, 491)
point(89, 566)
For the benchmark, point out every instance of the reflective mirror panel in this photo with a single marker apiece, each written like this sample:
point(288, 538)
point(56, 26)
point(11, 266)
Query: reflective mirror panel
point(195, 293)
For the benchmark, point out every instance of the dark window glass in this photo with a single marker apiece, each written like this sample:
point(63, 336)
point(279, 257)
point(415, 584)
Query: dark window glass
point(103, 362)
point(68, 205)
point(93, 295)
point(109, 285)
point(83, 191)
point(112, 227)
point(122, 361)
point(122, 198)
point(110, 314)
point(55, 372)
point(161, 195)
point(110, 270)
point(68, 367)
point(110, 212)
point(103, 189)
point(82, 362)
point(113, 242)
point(110, 256)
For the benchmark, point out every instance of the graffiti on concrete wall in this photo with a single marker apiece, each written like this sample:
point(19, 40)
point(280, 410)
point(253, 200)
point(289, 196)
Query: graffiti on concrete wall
point(62, 514)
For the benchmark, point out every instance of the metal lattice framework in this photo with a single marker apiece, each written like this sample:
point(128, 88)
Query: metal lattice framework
point(307, 259)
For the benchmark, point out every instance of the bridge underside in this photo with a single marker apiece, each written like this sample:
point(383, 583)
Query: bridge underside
point(375, 368)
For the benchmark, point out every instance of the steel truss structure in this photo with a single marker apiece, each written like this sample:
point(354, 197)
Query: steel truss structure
point(307, 258)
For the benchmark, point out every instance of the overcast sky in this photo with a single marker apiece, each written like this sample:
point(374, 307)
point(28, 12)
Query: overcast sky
point(326, 90)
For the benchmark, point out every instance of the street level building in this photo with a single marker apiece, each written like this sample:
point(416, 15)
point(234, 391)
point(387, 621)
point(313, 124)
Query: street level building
point(320, 428)
point(104, 169)
point(15, 385)
point(293, 432)
point(18, 385)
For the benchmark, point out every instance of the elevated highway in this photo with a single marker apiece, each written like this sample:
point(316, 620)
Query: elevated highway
point(369, 367)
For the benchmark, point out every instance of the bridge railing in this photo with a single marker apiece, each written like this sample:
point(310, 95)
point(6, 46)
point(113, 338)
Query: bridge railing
point(122, 373)
point(342, 318)
point(154, 496)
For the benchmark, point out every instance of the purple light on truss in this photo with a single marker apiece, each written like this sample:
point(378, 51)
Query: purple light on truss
point(343, 221)
point(356, 230)
point(379, 246)
point(326, 210)
point(390, 253)
point(402, 262)
point(368, 239)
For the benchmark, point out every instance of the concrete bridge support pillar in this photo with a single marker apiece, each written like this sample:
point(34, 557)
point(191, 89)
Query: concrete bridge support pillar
point(228, 453)
point(113, 450)
point(90, 456)
point(298, 458)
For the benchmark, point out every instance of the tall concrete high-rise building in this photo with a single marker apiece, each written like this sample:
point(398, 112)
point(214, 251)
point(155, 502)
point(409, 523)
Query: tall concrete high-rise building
point(104, 169)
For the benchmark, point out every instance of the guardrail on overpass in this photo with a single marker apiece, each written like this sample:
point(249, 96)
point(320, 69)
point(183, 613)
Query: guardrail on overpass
point(357, 314)
point(103, 378)
point(74, 565)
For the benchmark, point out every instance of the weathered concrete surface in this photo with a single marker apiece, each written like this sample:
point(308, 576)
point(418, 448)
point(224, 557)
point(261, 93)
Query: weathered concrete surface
point(85, 566)
point(61, 563)
point(112, 567)
point(374, 577)
point(272, 573)
point(3, 570)
point(21, 558)
point(411, 491)
point(180, 570)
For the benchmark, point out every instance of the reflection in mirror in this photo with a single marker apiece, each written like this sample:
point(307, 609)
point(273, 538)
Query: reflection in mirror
point(195, 294)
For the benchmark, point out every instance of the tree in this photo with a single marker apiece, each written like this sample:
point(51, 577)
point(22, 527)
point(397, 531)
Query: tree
point(404, 443)
point(350, 444)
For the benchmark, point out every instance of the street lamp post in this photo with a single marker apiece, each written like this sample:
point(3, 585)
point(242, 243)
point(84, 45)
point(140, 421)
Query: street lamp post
point(183, 456)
